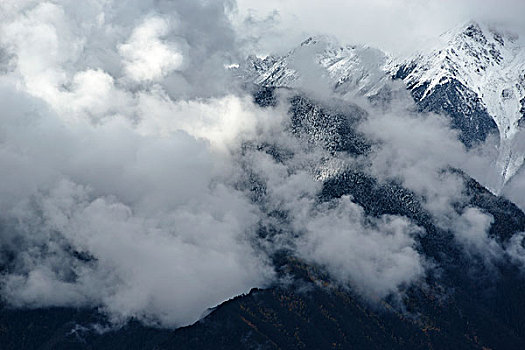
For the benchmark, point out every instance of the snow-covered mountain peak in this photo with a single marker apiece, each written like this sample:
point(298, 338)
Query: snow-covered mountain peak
point(471, 54)
point(321, 41)
point(486, 67)
point(475, 76)
point(351, 69)
point(482, 33)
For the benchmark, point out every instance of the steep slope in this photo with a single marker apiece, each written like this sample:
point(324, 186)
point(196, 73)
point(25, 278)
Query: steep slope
point(456, 307)
point(72, 328)
point(477, 77)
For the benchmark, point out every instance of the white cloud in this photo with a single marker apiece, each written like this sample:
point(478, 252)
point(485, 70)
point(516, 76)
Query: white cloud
point(131, 175)
point(169, 236)
point(516, 250)
point(416, 149)
point(472, 231)
point(221, 121)
point(146, 56)
point(375, 256)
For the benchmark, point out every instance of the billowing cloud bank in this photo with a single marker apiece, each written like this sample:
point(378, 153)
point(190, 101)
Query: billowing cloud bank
point(114, 187)
point(123, 154)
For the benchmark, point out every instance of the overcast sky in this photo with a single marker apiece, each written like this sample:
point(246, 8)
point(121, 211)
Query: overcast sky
point(394, 25)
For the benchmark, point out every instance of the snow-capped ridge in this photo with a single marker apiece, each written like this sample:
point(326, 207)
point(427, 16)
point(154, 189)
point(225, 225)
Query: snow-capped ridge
point(350, 69)
point(475, 75)
point(487, 65)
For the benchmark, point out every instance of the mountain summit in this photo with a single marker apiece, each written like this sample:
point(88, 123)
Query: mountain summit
point(347, 70)
point(477, 77)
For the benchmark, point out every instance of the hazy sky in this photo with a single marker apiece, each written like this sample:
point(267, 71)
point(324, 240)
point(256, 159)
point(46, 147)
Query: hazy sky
point(394, 25)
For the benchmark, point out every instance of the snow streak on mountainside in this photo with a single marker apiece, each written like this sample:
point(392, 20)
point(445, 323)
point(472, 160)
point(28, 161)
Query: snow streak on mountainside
point(477, 76)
